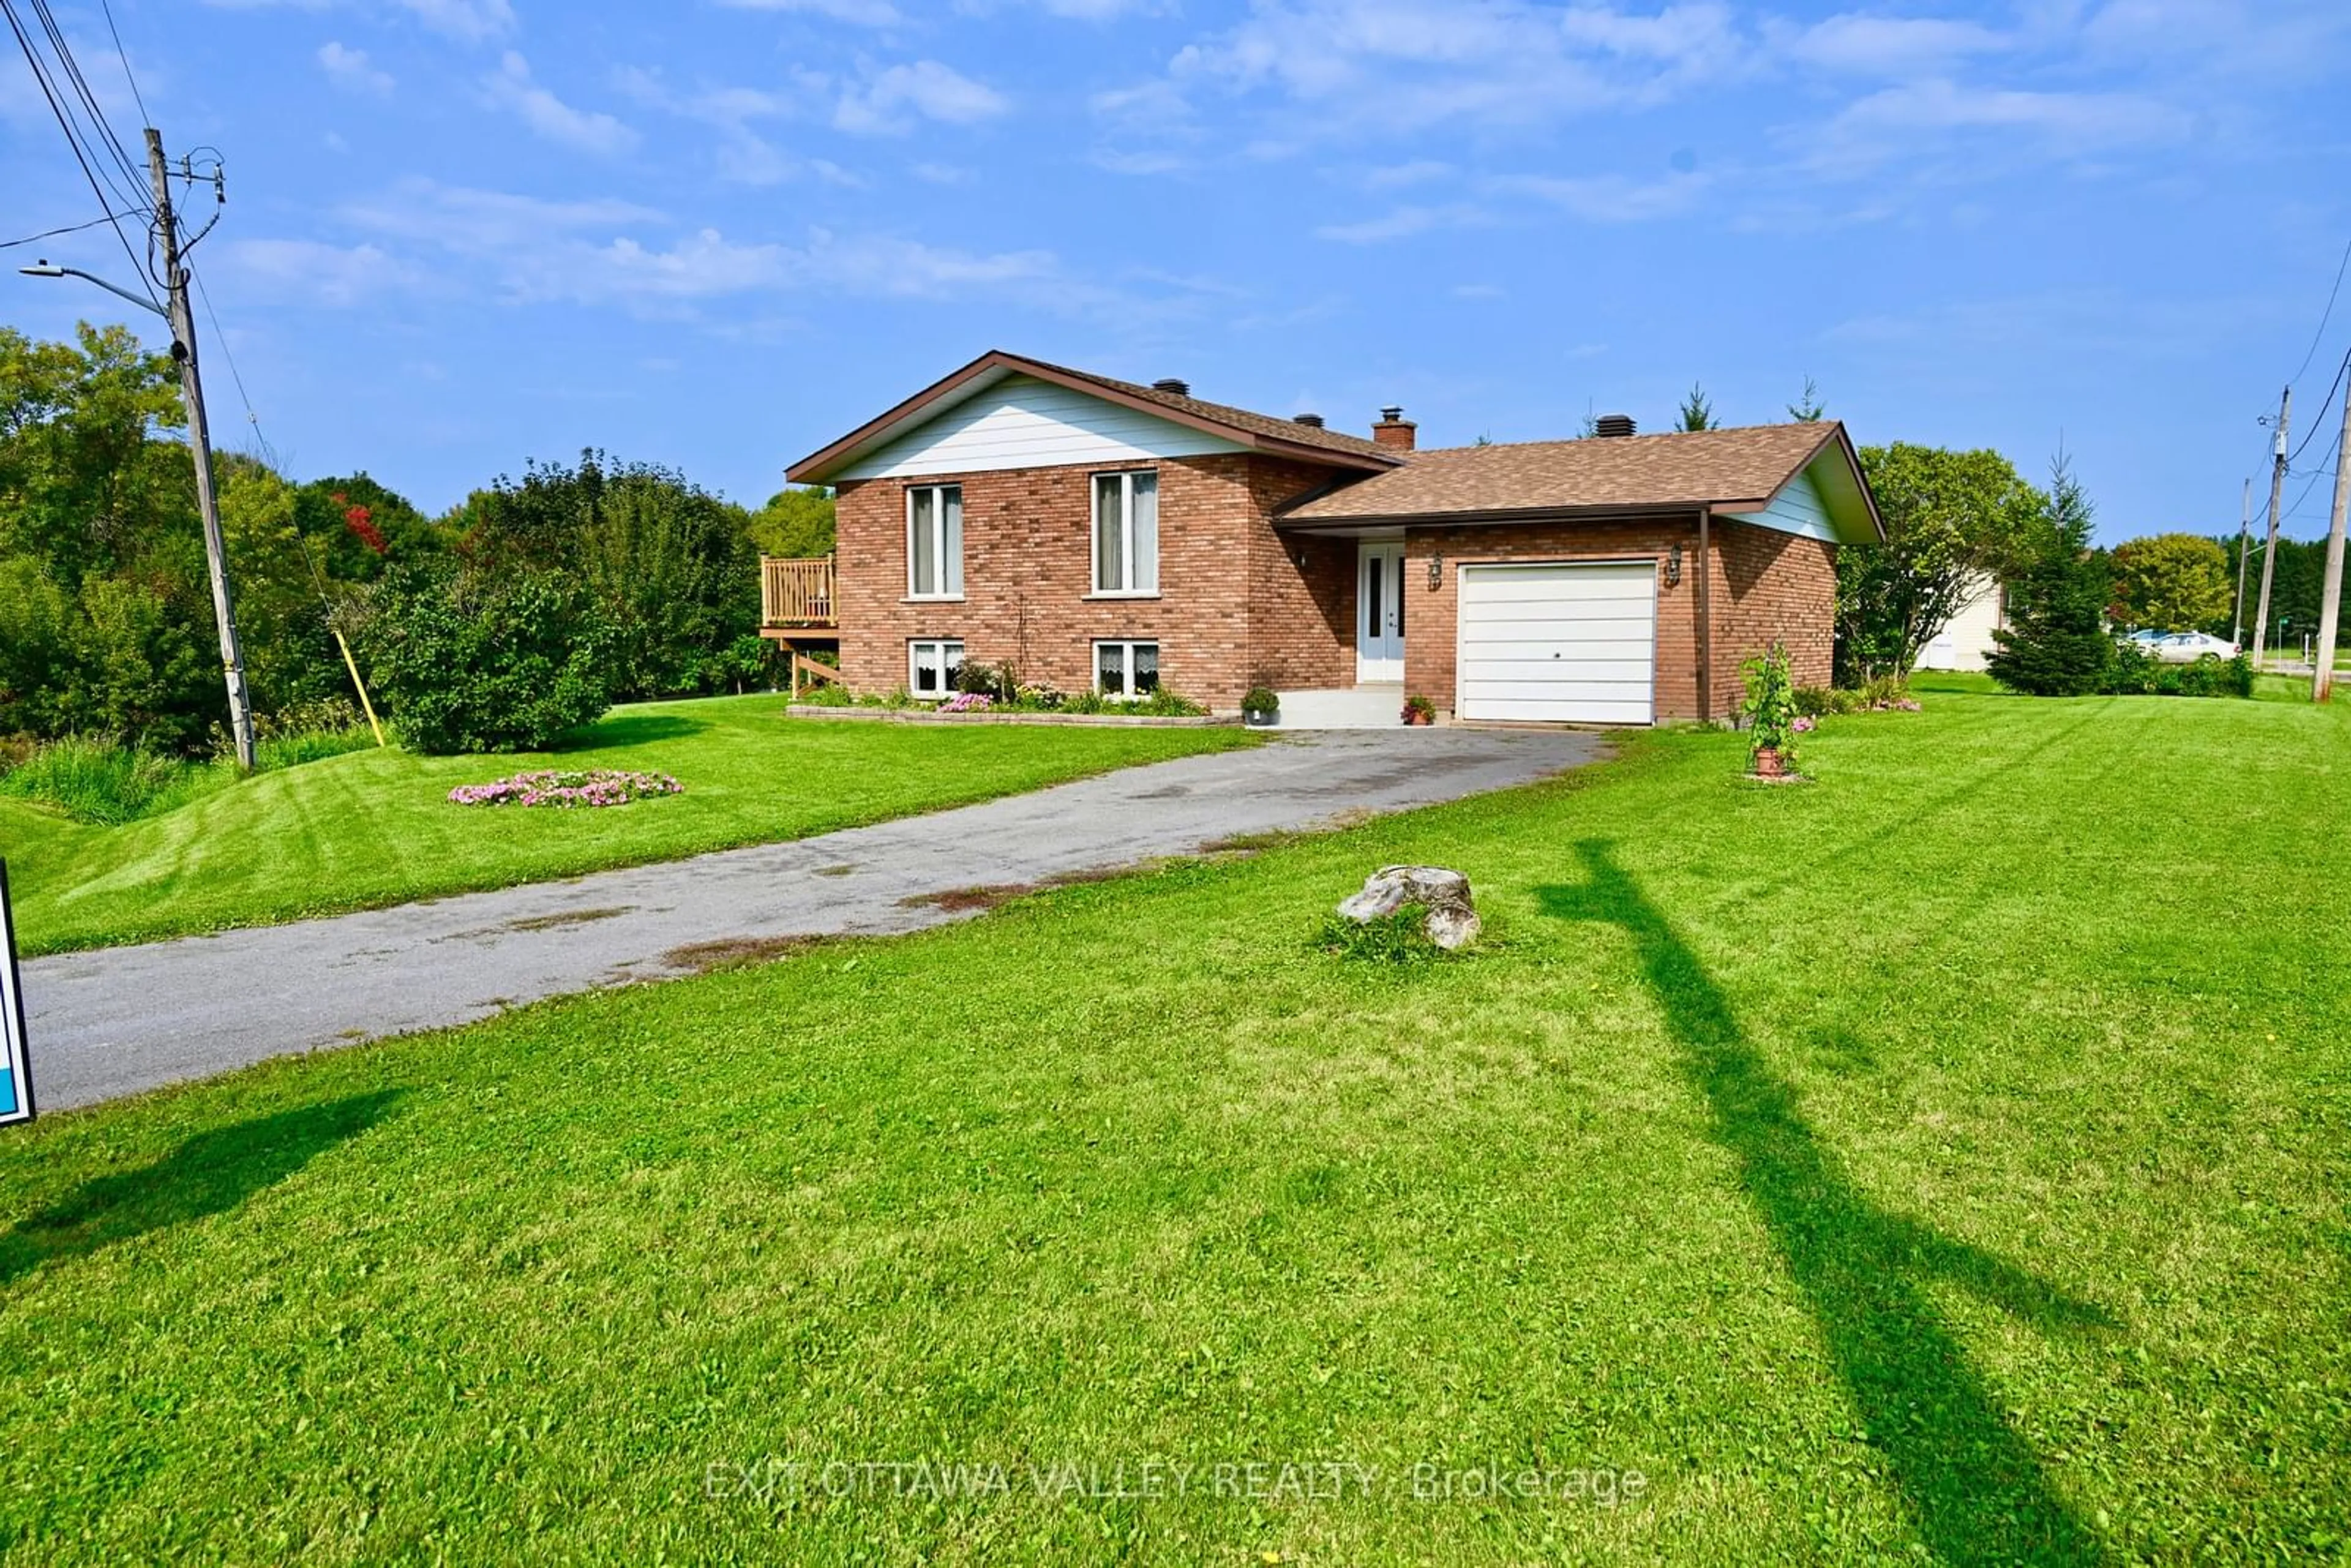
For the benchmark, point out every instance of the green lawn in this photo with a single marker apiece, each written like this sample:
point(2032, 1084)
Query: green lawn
point(374, 828)
point(1937, 1162)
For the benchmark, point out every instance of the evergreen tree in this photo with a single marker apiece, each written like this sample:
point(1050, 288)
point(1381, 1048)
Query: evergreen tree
point(1697, 412)
point(2057, 642)
point(1807, 410)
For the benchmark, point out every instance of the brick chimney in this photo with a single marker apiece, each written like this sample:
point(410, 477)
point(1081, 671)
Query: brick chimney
point(1393, 430)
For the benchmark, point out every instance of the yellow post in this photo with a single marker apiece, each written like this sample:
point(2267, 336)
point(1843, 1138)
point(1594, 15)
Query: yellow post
point(361, 686)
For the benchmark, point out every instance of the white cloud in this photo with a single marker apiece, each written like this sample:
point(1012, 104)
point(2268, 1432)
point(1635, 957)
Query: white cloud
point(478, 222)
point(1605, 198)
point(883, 102)
point(510, 86)
point(1404, 223)
point(1899, 120)
point(352, 70)
point(1406, 66)
point(1889, 46)
point(469, 21)
point(336, 275)
point(1416, 172)
point(858, 12)
point(606, 250)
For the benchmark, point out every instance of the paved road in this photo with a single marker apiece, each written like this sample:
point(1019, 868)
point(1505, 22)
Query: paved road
point(114, 1022)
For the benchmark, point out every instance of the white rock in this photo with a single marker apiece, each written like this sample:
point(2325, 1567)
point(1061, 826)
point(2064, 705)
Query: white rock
point(1452, 918)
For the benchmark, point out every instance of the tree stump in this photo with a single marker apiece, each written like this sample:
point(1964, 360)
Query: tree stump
point(1452, 920)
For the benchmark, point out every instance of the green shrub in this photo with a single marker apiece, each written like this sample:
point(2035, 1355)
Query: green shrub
point(1262, 699)
point(487, 661)
point(1770, 706)
point(2136, 672)
point(1165, 703)
point(1089, 702)
point(826, 693)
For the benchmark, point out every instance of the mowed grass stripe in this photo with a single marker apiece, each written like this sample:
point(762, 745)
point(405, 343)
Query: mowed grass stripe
point(375, 828)
point(1932, 1159)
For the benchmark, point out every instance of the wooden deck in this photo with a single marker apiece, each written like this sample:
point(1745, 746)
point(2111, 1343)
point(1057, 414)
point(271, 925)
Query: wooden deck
point(797, 594)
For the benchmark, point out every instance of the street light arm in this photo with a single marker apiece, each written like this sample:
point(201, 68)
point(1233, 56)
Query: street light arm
point(45, 270)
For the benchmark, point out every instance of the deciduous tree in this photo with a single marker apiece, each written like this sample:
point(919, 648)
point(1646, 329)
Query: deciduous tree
point(1954, 522)
point(2171, 582)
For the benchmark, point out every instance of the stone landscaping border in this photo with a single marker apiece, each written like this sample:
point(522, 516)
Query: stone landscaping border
point(922, 716)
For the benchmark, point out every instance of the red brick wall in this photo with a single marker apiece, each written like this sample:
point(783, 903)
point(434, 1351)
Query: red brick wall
point(1766, 584)
point(1430, 613)
point(1772, 586)
point(1232, 606)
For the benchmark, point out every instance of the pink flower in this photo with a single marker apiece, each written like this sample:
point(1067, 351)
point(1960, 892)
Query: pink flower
point(593, 787)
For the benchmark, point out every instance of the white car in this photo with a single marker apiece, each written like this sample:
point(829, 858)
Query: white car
point(2186, 647)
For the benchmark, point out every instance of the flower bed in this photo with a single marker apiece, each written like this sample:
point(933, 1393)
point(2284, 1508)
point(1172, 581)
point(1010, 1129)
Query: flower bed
point(591, 787)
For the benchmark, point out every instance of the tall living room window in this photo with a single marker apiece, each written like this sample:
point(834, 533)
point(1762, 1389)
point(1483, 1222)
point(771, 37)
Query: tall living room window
point(934, 541)
point(1126, 533)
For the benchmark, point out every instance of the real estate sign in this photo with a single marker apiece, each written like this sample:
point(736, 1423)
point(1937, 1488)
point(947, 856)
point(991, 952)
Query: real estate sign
point(16, 1079)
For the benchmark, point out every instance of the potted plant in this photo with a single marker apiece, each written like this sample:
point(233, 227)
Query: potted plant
point(1261, 706)
point(1771, 715)
point(1418, 710)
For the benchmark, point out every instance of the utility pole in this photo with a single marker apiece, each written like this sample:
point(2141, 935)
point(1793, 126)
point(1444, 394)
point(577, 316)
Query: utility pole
point(184, 349)
point(2244, 553)
point(2277, 485)
point(2322, 682)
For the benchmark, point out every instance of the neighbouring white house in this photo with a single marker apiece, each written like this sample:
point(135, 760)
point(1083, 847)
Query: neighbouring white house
point(1966, 642)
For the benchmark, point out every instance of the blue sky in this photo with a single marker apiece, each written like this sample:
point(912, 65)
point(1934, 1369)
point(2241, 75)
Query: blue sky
point(717, 232)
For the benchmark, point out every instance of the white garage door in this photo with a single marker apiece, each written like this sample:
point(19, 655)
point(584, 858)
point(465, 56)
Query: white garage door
point(1572, 643)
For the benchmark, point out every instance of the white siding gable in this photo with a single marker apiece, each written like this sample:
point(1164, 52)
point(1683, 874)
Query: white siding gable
point(1796, 509)
point(1022, 423)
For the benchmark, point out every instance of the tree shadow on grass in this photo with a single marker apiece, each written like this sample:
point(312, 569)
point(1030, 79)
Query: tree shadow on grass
point(629, 730)
point(1976, 1490)
point(210, 1173)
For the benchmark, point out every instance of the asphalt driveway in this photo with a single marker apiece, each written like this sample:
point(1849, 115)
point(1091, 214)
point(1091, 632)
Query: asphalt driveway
point(122, 1019)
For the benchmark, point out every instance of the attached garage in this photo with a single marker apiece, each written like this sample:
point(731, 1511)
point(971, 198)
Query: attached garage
point(1567, 641)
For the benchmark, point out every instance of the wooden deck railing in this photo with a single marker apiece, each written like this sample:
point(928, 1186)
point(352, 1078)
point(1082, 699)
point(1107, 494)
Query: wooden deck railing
point(797, 592)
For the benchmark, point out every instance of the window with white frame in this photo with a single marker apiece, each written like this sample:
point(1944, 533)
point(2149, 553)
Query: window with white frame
point(931, 665)
point(934, 541)
point(1126, 532)
point(1126, 670)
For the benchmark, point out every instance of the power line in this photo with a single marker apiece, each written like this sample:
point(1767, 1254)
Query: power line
point(110, 143)
point(2328, 314)
point(2324, 404)
point(52, 234)
point(229, 354)
point(2334, 450)
point(124, 56)
point(74, 140)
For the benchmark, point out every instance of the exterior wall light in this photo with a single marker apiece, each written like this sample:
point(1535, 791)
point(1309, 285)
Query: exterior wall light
point(1435, 570)
point(1673, 567)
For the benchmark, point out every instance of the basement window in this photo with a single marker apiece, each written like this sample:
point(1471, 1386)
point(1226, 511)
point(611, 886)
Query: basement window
point(931, 667)
point(1126, 670)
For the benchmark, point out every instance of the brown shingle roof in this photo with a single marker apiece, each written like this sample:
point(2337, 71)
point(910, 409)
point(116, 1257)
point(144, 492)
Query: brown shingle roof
point(1265, 424)
point(1628, 473)
point(1262, 432)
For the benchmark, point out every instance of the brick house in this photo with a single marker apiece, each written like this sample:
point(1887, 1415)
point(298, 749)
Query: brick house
point(1104, 534)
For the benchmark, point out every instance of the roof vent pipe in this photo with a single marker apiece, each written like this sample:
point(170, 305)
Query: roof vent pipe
point(1175, 386)
point(1612, 425)
point(1311, 421)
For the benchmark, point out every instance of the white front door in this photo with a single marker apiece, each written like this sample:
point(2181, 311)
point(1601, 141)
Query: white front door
point(1379, 613)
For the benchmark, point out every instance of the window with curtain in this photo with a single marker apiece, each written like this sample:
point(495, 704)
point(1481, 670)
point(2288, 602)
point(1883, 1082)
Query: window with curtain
point(934, 541)
point(1126, 670)
point(931, 665)
point(1126, 532)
